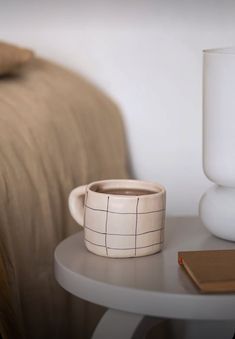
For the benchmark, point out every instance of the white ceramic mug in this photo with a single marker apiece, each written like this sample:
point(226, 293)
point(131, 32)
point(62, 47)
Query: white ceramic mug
point(121, 218)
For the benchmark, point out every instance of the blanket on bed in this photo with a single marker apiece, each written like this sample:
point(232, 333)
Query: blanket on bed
point(57, 131)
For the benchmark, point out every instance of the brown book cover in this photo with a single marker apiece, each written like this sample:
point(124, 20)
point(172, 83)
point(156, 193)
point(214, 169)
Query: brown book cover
point(211, 271)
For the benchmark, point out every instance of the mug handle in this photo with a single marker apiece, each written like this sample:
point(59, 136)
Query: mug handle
point(76, 204)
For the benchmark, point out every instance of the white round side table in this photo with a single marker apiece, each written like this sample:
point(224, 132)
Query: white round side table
point(147, 286)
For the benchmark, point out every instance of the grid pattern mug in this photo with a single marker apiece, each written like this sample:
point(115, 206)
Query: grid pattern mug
point(121, 218)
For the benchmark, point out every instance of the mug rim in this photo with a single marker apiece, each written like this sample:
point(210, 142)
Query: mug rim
point(157, 188)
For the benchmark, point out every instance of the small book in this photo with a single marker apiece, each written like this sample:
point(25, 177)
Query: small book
point(211, 271)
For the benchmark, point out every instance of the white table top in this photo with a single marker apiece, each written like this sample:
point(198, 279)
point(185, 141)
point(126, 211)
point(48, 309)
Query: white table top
point(153, 285)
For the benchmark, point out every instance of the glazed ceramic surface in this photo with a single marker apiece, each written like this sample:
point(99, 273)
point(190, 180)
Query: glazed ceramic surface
point(121, 218)
point(217, 210)
point(219, 115)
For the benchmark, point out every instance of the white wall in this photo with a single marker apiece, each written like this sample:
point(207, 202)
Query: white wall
point(147, 56)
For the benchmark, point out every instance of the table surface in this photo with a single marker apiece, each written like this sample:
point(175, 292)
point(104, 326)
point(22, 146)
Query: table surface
point(152, 285)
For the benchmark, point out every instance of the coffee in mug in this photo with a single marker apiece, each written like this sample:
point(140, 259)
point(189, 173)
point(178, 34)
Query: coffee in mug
point(121, 218)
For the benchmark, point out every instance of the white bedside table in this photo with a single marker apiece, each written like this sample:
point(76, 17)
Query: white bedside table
point(153, 285)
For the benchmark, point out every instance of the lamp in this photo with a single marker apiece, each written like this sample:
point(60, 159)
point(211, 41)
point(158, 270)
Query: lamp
point(217, 205)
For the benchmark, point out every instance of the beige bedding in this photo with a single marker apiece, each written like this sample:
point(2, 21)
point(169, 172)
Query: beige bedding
point(57, 131)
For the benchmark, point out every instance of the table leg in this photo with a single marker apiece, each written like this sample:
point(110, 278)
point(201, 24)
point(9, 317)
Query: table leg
point(117, 324)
